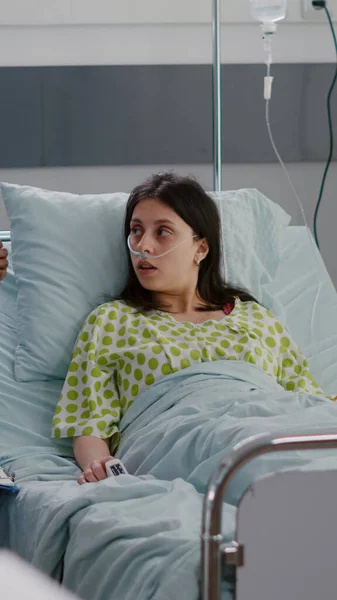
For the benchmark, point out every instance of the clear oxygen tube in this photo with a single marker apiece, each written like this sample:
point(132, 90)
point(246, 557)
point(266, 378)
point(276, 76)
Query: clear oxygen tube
point(147, 256)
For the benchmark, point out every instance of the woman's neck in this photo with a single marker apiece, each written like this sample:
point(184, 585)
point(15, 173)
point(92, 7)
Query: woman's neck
point(182, 304)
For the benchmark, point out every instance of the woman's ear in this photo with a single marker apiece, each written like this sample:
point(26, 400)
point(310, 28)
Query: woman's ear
point(203, 249)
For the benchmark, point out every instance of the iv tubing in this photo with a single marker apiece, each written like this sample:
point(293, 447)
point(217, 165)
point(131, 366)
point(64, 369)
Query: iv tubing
point(267, 86)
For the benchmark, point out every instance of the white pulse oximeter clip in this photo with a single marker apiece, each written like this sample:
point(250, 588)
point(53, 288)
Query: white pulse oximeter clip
point(114, 468)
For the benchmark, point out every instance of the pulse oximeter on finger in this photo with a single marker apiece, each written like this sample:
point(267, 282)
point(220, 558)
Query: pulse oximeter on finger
point(114, 468)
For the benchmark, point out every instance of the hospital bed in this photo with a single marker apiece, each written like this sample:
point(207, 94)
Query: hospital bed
point(250, 563)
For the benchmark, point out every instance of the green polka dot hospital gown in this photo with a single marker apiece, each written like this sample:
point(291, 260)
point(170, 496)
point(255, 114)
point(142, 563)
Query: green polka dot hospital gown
point(120, 352)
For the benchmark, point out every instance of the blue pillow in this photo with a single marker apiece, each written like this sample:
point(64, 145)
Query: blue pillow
point(69, 256)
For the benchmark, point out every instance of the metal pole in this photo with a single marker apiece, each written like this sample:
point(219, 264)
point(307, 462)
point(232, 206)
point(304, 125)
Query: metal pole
point(212, 510)
point(217, 95)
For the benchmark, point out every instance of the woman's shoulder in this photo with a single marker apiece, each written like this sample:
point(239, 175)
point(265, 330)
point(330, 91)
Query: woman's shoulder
point(117, 305)
point(254, 308)
point(112, 310)
point(247, 305)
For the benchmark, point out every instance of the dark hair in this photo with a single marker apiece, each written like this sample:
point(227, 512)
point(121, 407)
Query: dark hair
point(190, 201)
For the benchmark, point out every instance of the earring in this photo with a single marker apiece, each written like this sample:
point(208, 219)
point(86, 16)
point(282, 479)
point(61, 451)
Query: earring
point(197, 261)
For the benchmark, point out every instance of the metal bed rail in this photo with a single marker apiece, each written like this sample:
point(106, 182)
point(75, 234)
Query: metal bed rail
point(214, 553)
point(5, 236)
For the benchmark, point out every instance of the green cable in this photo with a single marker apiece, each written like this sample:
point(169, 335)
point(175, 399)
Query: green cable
point(323, 5)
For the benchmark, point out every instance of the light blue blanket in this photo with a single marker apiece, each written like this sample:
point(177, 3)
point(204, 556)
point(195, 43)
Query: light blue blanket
point(185, 424)
point(138, 536)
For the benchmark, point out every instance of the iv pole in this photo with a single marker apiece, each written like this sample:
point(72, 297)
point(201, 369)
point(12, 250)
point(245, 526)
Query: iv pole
point(217, 95)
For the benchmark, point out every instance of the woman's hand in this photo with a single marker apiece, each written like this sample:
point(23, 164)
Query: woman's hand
point(91, 454)
point(3, 261)
point(95, 471)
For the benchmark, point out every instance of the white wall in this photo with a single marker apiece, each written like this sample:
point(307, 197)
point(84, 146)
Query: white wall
point(159, 44)
point(79, 12)
point(77, 32)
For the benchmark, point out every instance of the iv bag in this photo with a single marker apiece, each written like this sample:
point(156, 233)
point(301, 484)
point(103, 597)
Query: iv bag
point(268, 11)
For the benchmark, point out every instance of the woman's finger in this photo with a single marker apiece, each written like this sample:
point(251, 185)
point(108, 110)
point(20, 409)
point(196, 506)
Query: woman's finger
point(98, 470)
point(106, 459)
point(89, 476)
point(81, 480)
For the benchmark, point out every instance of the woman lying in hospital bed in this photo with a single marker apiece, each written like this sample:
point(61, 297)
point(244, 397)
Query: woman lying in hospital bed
point(174, 312)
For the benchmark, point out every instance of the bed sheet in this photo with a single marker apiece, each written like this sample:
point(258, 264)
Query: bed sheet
point(46, 470)
point(304, 288)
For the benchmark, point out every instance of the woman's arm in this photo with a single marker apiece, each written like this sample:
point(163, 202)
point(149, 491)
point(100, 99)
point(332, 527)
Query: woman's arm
point(89, 407)
point(91, 454)
point(88, 449)
point(293, 371)
point(291, 368)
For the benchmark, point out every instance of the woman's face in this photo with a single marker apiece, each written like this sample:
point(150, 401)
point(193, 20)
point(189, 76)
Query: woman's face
point(155, 228)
